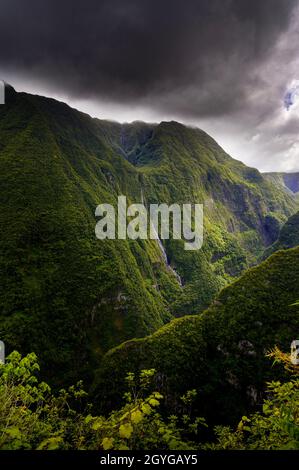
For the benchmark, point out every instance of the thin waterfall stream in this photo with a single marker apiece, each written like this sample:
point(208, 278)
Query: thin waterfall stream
point(162, 249)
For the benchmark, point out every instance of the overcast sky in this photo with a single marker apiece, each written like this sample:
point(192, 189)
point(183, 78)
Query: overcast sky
point(223, 65)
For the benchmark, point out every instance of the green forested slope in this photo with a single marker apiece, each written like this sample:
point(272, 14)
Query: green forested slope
point(288, 236)
point(69, 297)
point(220, 353)
point(63, 293)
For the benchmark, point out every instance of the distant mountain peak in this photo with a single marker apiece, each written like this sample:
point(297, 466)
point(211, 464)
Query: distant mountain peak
point(8, 86)
point(290, 181)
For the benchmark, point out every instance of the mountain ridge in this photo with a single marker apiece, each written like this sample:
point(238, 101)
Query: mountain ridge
point(289, 181)
point(71, 297)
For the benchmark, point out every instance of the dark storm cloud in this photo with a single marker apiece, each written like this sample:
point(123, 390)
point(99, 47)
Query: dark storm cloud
point(194, 58)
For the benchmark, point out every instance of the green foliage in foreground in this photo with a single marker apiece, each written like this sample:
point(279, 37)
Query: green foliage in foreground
point(32, 417)
point(277, 426)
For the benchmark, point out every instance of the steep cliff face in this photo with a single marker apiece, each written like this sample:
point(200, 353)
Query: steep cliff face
point(64, 294)
point(222, 352)
point(288, 236)
point(289, 181)
point(70, 297)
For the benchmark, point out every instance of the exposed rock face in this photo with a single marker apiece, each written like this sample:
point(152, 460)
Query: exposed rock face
point(246, 348)
point(252, 394)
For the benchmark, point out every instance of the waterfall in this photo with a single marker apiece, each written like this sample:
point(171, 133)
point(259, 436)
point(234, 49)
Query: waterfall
point(162, 249)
